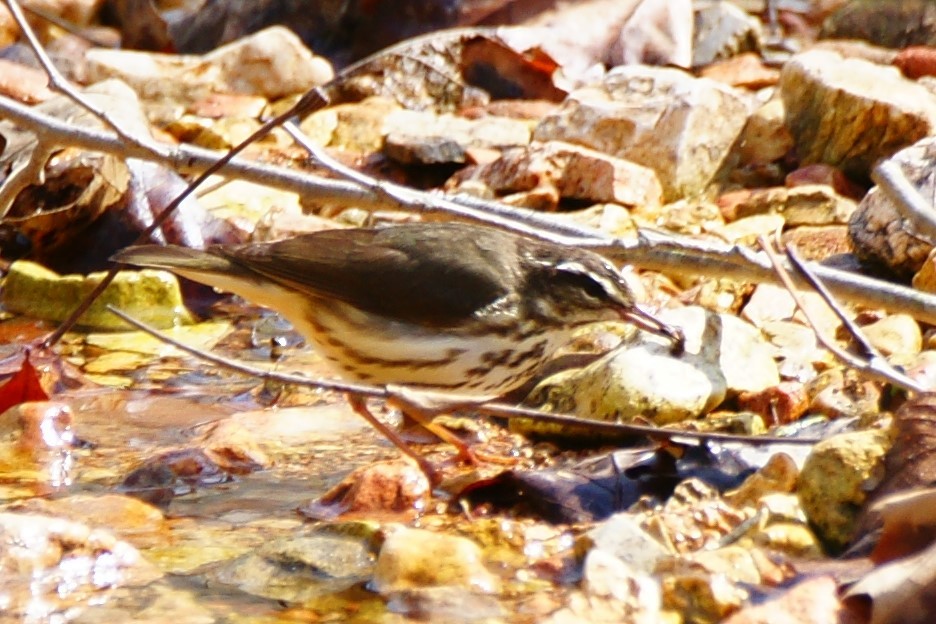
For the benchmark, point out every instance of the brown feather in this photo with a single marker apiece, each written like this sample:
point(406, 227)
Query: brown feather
point(435, 277)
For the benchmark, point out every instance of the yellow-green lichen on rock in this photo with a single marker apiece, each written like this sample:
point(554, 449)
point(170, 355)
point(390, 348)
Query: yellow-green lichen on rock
point(837, 477)
point(150, 296)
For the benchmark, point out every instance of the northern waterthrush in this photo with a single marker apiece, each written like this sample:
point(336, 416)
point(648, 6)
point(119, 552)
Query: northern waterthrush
point(466, 310)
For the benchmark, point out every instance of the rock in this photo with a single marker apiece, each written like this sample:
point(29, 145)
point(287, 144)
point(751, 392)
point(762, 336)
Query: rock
point(797, 350)
point(742, 354)
point(301, 568)
point(692, 217)
point(896, 334)
point(836, 479)
point(722, 30)
point(922, 369)
point(150, 296)
point(734, 562)
point(52, 565)
point(352, 127)
point(819, 173)
point(232, 447)
point(782, 526)
point(746, 230)
point(778, 475)
point(38, 425)
point(777, 405)
point(723, 354)
point(917, 62)
point(878, 232)
point(770, 302)
point(445, 604)
point(817, 243)
point(925, 278)
point(622, 538)
point(390, 487)
point(635, 382)
point(839, 394)
point(804, 602)
point(426, 138)
point(220, 134)
point(562, 170)
point(888, 23)
point(765, 137)
point(26, 84)
point(272, 63)
point(851, 113)
point(746, 70)
point(681, 127)
point(124, 515)
point(653, 34)
point(605, 575)
point(815, 204)
point(701, 597)
point(413, 559)
point(36, 444)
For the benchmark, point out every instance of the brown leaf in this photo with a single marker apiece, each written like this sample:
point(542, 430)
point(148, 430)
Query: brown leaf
point(902, 592)
point(909, 524)
point(392, 488)
point(506, 73)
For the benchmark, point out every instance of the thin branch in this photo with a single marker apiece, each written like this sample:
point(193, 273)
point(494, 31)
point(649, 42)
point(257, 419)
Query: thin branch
point(689, 257)
point(872, 367)
point(58, 82)
point(523, 221)
point(876, 364)
point(651, 251)
point(501, 410)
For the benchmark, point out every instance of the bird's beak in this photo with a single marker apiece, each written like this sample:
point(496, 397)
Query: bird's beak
point(650, 323)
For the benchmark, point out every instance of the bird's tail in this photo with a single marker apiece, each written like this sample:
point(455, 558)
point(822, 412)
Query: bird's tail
point(174, 258)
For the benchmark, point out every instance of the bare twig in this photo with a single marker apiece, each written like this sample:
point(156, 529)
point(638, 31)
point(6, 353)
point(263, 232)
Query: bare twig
point(501, 410)
point(651, 251)
point(519, 220)
point(876, 365)
point(58, 82)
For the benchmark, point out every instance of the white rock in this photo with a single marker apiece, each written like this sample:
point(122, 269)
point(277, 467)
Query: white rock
point(272, 63)
point(678, 125)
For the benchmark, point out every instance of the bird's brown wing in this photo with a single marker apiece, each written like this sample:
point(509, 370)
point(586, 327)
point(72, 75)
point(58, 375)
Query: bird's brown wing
point(430, 274)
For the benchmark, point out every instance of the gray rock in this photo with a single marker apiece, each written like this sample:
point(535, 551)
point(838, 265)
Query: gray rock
point(427, 138)
point(878, 232)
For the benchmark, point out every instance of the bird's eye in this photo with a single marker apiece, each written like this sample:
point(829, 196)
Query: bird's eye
point(592, 287)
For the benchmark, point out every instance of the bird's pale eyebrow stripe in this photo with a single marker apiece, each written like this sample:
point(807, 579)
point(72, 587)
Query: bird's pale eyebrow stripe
point(609, 286)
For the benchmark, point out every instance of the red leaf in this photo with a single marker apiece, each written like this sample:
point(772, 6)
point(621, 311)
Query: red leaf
point(23, 386)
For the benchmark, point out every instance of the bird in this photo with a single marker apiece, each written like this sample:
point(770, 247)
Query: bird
point(467, 311)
